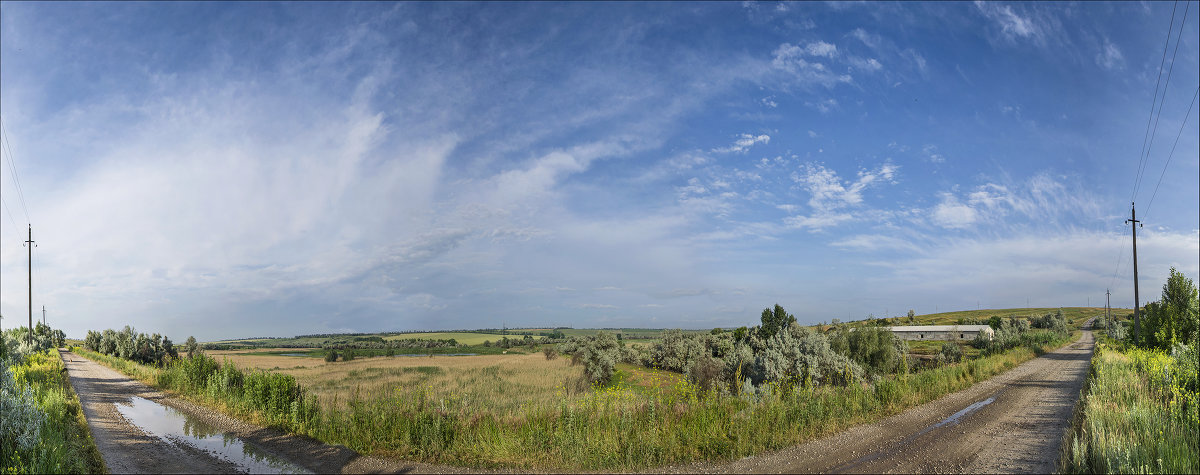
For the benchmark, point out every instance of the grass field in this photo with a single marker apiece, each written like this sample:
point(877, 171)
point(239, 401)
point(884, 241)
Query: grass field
point(463, 338)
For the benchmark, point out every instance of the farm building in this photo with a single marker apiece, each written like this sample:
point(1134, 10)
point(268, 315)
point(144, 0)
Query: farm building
point(942, 332)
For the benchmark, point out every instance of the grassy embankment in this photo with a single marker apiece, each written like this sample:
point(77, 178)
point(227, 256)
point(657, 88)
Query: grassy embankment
point(1139, 413)
point(527, 416)
point(64, 444)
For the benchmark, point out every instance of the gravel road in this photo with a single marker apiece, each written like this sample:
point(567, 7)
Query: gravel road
point(128, 448)
point(1011, 423)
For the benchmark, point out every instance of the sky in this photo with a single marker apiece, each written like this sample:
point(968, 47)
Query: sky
point(230, 170)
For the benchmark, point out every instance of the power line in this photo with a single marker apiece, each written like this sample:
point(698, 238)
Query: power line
point(1141, 156)
point(1150, 145)
point(13, 169)
point(1172, 154)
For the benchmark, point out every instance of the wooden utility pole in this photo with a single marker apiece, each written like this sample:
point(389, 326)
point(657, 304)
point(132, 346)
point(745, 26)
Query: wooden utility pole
point(30, 245)
point(1137, 312)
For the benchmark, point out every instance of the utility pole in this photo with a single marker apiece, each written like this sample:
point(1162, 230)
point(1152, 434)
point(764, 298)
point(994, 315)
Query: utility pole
point(44, 315)
point(1107, 304)
point(1137, 314)
point(29, 337)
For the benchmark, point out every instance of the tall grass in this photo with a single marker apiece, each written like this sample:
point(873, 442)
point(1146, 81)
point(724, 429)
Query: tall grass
point(63, 443)
point(615, 427)
point(1139, 415)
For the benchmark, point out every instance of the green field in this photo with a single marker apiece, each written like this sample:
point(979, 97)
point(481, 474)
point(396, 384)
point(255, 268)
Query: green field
point(463, 338)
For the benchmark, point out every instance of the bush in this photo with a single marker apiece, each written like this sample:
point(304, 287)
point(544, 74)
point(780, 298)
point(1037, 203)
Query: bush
point(599, 356)
point(331, 355)
point(551, 353)
point(348, 355)
point(950, 352)
point(878, 350)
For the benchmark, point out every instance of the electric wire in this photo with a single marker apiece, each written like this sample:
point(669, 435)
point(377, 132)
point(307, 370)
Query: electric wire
point(1146, 137)
point(13, 170)
point(1172, 154)
point(1157, 117)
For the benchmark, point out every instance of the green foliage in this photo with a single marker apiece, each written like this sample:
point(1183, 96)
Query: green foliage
point(599, 357)
point(550, 353)
point(994, 322)
point(950, 353)
point(129, 344)
point(774, 321)
point(1175, 318)
point(42, 429)
point(348, 354)
point(331, 355)
point(1139, 414)
point(876, 349)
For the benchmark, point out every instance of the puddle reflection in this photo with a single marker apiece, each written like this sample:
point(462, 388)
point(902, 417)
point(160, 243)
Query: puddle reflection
point(176, 428)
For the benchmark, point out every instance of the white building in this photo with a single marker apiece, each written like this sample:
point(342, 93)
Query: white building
point(943, 332)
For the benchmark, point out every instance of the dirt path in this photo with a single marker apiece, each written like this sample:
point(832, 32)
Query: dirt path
point(1011, 423)
point(128, 448)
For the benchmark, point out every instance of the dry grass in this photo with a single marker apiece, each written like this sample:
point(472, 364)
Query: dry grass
point(500, 383)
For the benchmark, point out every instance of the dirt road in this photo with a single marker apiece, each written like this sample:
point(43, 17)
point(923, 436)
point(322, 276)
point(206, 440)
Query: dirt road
point(110, 400)
point(1011, 423)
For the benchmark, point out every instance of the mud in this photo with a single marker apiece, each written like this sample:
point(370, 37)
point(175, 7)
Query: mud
point(129, 448)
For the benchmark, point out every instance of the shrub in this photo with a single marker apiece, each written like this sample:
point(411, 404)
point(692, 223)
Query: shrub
point(348, 355)
point(706, 373)
point(599, 357)
point(550, 353)
point(950, 352)
point(331, 355)
point(676, 351)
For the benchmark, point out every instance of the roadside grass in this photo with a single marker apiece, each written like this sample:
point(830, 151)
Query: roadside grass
point(1139, 414)
point(525, 412)
point(64, 442)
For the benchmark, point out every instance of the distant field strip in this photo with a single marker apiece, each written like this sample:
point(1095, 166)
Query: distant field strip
point(463, 338)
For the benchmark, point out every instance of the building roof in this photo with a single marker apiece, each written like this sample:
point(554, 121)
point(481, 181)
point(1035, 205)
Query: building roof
point(940, 328)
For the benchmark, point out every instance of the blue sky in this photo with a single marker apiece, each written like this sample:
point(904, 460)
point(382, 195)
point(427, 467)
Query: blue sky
point(226, 170)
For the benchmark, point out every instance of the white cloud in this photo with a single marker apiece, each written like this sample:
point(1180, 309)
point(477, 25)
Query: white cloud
point(876, 242)
point(1012, 25)
point(1110, 57)
point(869, 64)
point(932, 155)
point(951, 213)
point(812, 134)
point(598, 306)
point(792, 60)
point(829, 194)
point(824, 105)
point(872, 40)
point(744, 142)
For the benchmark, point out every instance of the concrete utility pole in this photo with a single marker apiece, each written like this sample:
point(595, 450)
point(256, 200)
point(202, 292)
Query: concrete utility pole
point(44, 315)
point(29, 337)
point(1107, 306)
point(1137, 313)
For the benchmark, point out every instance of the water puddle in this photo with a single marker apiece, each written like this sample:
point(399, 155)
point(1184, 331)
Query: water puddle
point(175, 427)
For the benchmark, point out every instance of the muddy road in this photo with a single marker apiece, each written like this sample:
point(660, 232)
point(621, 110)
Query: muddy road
point(141, 430)
point(1011, 423)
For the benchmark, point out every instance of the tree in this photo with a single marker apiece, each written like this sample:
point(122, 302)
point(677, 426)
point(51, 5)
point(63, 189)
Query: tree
point(775, 320)
point(192, 346)
point(1175, 318)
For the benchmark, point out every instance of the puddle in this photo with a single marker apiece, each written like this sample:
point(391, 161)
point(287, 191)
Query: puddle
point(175, 427)
point(953, 419)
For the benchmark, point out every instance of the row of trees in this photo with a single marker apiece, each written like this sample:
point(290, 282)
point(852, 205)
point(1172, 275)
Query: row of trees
point(129, 344)
point(778, 350)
